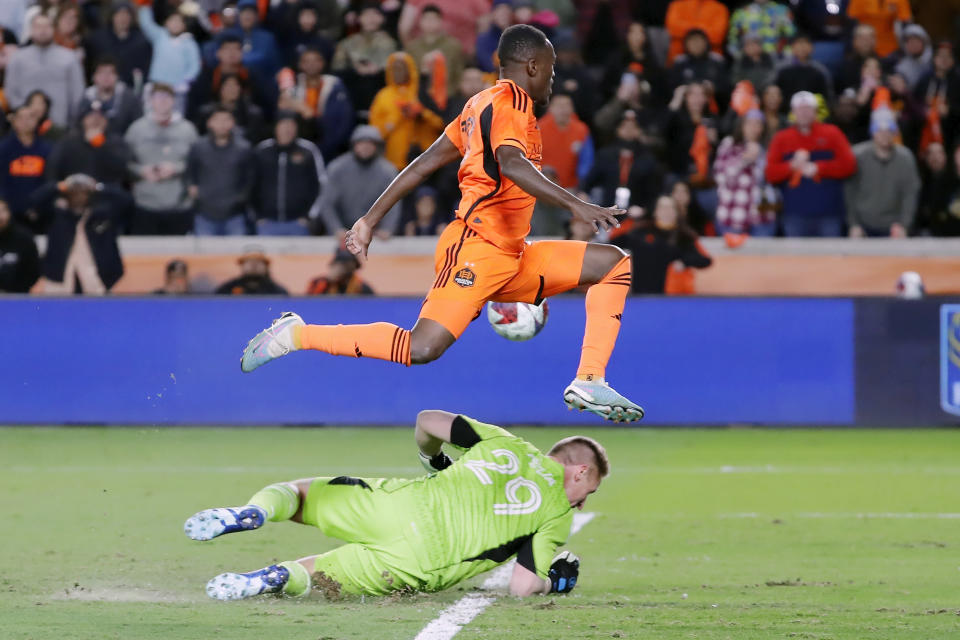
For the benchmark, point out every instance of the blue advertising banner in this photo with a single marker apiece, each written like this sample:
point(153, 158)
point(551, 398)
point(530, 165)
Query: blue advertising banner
point(950, 358)
point(159, 361)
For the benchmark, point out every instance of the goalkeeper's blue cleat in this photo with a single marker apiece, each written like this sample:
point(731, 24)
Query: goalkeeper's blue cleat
point(271, 343)
point(210, 523)
point(237, 586)
point(600, 398)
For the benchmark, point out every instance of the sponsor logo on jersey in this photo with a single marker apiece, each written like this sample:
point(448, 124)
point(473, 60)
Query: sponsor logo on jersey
point(465, 277)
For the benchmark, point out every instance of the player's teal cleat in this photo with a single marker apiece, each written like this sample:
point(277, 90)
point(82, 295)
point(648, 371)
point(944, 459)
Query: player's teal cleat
point(210, 523)
point(273, 342)
point(600, 398)
point(237, 586)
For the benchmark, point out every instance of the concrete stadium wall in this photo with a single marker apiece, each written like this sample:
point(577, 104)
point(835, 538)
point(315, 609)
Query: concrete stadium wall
point(166, 361)
point(404, 266)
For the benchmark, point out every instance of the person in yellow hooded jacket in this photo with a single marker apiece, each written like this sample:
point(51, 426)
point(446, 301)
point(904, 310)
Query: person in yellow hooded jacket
point(398, 113)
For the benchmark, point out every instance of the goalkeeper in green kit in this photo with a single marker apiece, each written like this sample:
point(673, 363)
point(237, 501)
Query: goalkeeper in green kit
point(501, 498)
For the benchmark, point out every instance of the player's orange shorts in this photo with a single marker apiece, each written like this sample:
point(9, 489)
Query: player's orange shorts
point(471, 270)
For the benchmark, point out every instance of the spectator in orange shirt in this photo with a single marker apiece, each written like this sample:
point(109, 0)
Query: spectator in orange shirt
point(883, 16)
point(567, 145)
point(709, 15)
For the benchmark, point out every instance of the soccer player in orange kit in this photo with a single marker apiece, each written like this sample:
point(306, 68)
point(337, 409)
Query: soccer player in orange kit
point(483, 255)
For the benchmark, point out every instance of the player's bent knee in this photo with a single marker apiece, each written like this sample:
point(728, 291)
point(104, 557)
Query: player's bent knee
point(425, 352)
point(599, 260)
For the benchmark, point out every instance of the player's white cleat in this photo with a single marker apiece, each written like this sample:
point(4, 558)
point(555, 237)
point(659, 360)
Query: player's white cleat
point(271, 343)
point(210, 523)
point(237, 586)
point(600, 398)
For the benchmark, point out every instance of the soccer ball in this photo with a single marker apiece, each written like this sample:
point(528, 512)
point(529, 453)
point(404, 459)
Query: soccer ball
point(517, 320)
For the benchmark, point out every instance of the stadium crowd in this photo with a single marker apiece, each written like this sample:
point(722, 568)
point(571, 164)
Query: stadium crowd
point(289, 117)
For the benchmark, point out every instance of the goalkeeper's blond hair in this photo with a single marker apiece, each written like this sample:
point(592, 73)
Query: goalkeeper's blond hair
point(582, 450)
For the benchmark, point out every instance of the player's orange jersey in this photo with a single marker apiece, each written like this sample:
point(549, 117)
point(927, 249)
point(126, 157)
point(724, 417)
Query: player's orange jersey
point(492, 205)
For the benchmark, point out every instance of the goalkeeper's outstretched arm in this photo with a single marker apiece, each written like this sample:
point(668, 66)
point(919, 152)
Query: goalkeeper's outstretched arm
point(525, 583)
point(432, 430)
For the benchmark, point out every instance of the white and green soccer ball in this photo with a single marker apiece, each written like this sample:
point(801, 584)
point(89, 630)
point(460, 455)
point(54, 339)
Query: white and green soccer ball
point(517, 321)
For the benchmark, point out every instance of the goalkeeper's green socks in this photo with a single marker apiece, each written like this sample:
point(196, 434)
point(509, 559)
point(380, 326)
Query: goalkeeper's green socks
point(298, 583)
point(280, 501)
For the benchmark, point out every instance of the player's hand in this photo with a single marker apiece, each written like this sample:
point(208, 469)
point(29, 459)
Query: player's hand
point(563, 572)
point(358, 238)
point(438, 462)
point(598, 217)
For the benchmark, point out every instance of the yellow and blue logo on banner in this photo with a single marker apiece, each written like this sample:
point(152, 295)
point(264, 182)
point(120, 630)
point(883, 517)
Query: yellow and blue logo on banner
point(950, 358)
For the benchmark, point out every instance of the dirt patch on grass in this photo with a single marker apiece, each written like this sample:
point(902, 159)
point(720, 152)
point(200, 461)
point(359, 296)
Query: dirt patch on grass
point(88, 593)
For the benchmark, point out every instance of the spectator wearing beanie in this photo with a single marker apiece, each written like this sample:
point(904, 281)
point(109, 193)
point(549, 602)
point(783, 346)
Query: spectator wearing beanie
point(355, 180)
point(881, 196)
point(913, 59)
point(809, 162)
point(289, 179)
point(47, 67)
point(91, 149)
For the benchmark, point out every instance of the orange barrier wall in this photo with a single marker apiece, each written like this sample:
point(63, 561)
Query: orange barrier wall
point(731, 274)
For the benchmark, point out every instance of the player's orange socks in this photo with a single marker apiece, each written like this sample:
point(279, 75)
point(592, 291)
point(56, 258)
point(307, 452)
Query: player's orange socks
point(380, 340)
point(604, 307)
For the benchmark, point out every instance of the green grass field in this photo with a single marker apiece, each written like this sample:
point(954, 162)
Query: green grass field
point(698, 534)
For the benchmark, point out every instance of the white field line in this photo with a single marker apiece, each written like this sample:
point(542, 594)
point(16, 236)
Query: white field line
point(464, 610)
point(881, 515)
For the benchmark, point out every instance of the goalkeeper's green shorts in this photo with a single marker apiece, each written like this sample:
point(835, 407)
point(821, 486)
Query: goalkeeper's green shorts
point(378, 558)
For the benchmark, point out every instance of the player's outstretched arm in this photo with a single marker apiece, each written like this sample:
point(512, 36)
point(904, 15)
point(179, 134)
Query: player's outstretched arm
point(432, 430)
point(525, 583)
point(440, 153)
point(515, 165)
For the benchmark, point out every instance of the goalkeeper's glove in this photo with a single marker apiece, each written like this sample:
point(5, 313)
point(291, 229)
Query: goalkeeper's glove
point(438, 462)
point(563, 572)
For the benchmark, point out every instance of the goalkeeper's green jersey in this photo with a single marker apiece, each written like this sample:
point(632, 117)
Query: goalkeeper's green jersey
point(502, 497)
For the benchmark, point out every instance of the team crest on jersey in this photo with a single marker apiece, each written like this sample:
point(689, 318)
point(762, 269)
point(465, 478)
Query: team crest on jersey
point(465, 277)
